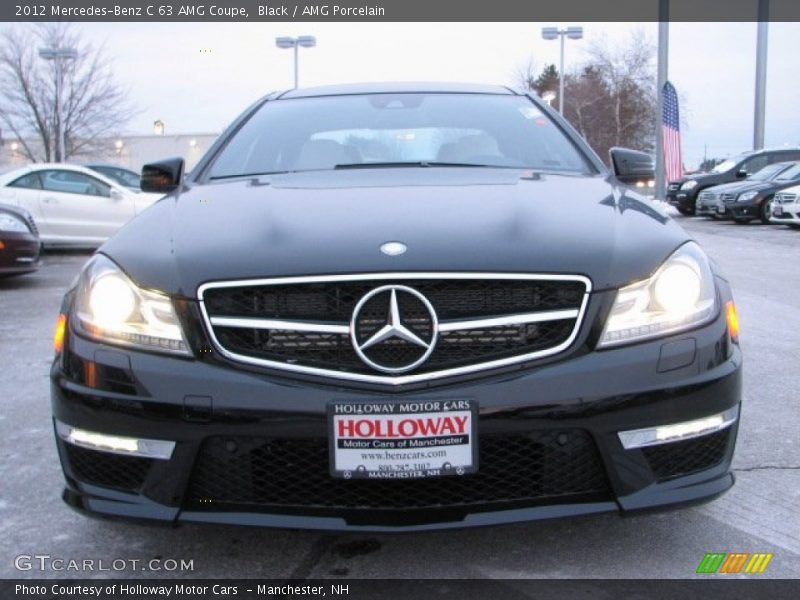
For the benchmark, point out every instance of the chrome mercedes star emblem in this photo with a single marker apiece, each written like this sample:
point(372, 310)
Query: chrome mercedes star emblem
point(395, 347)
point(393, 248)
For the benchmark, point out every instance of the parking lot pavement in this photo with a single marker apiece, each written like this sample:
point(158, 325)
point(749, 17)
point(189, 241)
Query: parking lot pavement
point(760, 514)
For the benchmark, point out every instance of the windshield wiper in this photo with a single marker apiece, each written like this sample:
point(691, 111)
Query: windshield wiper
point(417, 163)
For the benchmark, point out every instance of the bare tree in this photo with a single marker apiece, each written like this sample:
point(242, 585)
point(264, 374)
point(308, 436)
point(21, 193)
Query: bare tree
point(611, 98)
point(628, 71)
point(525, 78)
point(587, 104)
point(93, 106)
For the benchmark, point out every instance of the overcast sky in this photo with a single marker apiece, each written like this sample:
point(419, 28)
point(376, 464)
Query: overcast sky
point(198, 77)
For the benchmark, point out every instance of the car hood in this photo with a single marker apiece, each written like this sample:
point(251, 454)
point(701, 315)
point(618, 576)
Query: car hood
point(451, 219)
point(143, 200)
point(701, 178)
point(737, 187)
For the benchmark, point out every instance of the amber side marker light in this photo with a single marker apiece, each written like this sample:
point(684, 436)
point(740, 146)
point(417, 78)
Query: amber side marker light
point(733, 320)
point(58, 336)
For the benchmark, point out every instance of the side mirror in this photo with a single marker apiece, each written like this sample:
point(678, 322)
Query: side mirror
point(162, 177)
point(631, 166)
point(741, 174)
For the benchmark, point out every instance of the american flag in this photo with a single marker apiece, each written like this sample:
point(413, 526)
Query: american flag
point(671, 130)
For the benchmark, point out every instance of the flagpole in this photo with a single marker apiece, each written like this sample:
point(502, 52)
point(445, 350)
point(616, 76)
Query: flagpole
point(663, 59)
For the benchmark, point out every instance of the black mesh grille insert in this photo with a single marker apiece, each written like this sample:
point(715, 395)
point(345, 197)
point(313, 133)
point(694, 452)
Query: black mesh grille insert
point(513, 468)
point(454, 348)
point(452, 300)
point(682, 458)
point(106, 469)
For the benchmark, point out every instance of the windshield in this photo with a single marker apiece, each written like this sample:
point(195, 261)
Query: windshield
point(790, 174)
point(471, 130)
point(121, 176)
point(727, 165)
point(767, 173)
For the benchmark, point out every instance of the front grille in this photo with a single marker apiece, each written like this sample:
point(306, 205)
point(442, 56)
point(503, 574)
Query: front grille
point(334, 302)
point(727, 197)
point(308, 325)
point(785, 198)
point(335, 351)
point(293, 473)
point(108, 470)
point(707, 196)
point(690, 456)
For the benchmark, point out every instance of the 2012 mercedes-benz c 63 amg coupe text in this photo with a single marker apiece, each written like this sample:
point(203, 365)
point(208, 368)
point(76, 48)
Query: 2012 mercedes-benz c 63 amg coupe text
point(396, 307)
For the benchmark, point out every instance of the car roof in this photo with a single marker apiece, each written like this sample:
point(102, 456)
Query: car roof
point(107, 165)
point(16, 173)
point(397, 88)
point(773, 150)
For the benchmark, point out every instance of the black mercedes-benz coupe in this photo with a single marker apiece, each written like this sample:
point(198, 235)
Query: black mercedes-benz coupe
point(396, 307)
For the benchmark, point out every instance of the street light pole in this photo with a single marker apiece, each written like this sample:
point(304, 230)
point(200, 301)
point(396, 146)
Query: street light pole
point(761, 74)
point(57, 55)
point(306, 41)
point(552, 33)
point(296, 66)
point(561, 79)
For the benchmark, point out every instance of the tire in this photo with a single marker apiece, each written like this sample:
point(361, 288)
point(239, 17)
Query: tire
point(685, 210)
point(765, 211)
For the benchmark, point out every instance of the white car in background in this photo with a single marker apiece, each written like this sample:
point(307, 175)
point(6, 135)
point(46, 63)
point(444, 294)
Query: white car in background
point(786, 207)
point(72, 205)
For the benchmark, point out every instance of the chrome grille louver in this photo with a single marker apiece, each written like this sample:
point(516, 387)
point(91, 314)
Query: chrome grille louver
point(483, 321)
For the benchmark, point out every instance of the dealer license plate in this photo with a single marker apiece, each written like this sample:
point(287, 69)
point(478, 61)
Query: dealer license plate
point(402, 440)
point(777, 211)
point(720, 210)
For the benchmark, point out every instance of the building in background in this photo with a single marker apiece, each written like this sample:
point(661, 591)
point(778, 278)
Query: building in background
point(130, 151)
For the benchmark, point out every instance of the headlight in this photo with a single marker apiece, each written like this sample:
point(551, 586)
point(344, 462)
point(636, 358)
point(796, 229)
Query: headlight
point(746, 196)
point(680, 295)
point(689, 185)
point(111, 308)
point(9, 222)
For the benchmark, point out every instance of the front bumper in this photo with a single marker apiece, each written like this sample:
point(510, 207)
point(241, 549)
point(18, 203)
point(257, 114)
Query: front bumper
point(19, 253)
point(681, 198)
point(713, 208)
point(786, 213)
point(251, 448)
point(745, 210)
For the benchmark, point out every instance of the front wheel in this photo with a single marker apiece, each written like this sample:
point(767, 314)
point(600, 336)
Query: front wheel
point(685, 210)
point(765, 211)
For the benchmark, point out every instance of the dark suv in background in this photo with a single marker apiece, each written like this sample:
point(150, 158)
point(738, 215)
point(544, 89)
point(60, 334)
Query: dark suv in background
point(683, 193)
